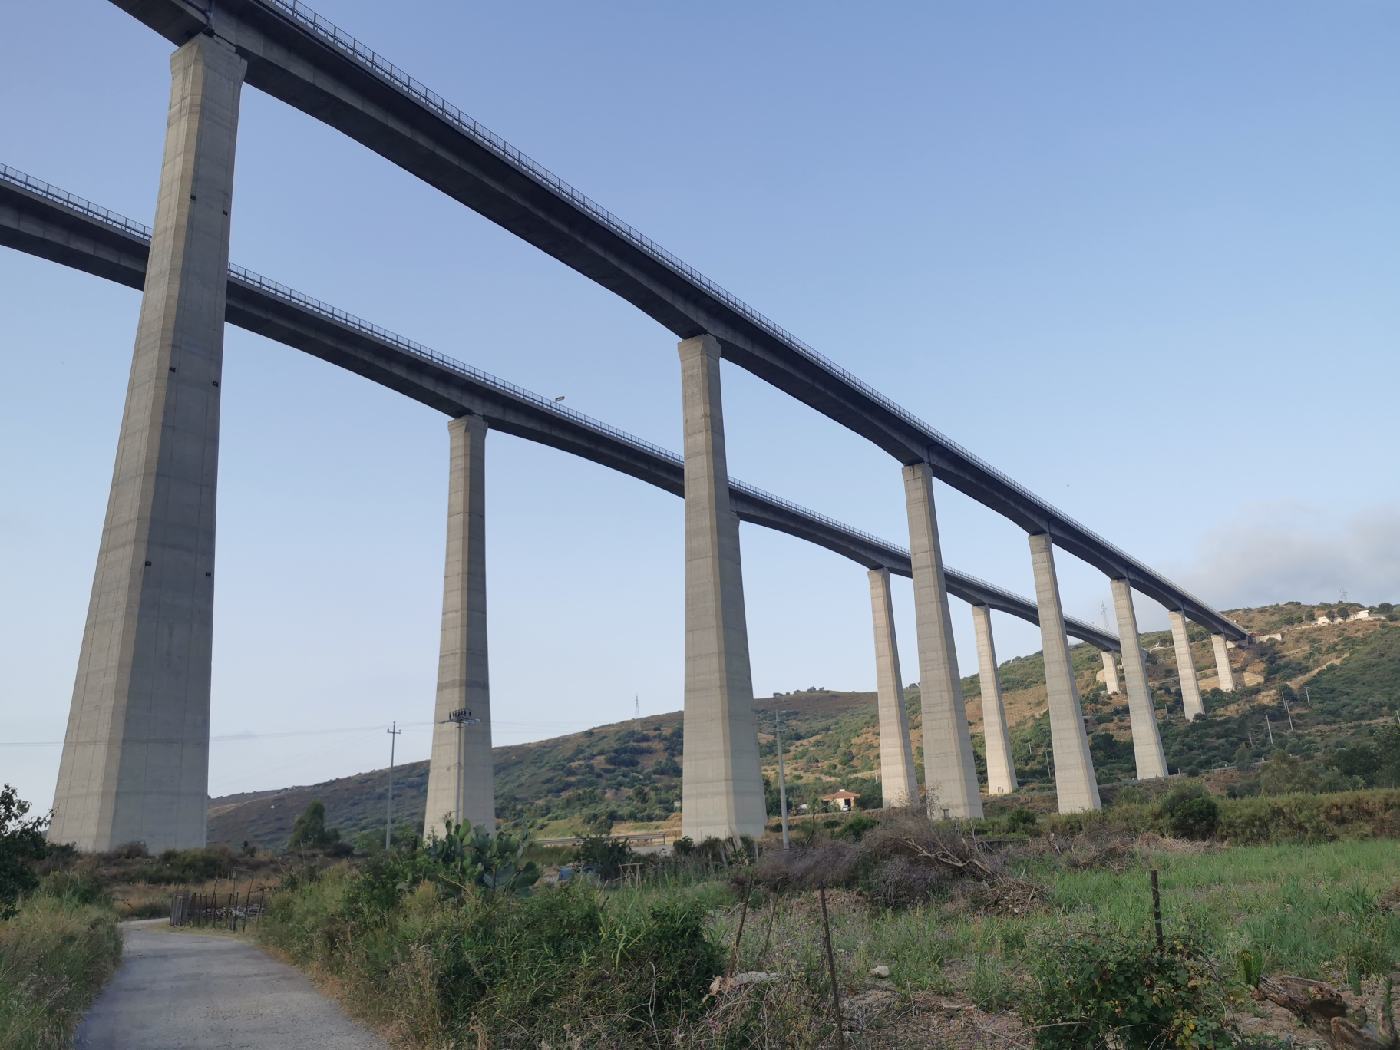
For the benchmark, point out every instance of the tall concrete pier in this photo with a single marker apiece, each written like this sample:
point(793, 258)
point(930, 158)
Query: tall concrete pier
point(461, 778)
point(135, 763)
point(1186, 667)
point(898, 781)
point(1222, 664)
point(1075, 787)
point(1001, 772)
point(949, 769)
point(1110, 673)
point(721, 785)
point(1147, 742)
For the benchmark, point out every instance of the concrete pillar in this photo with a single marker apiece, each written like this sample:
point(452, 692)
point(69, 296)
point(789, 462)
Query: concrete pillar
point(1186, 668)
point(1110, 673)
point(135, 763)
point(1222, 664)
point(461, 777)
point(898, 781)
point(949, 768)
point(721, 785)
point(1001, 773)
point(1075, 787)
point(1147, 743)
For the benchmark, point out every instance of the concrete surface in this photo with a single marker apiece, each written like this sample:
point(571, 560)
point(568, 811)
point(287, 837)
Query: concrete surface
point(330, 80)
point(1001, 771)
point(899, 781)
point(721, 784)
point(49, 229)
point(461, 777)
point(1110, 674)
point(135, 763)
point(1191, 702)
point(949, 769)
point(1222, 664)
point(1147, 741)
point(191, 991)
point(1076, 790)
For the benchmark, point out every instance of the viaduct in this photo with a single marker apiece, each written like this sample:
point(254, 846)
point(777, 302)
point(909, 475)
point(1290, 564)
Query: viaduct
point(135, 757)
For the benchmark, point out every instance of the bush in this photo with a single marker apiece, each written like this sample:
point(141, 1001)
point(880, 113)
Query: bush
point(604, 855)
point(21, 844)
point(1097, 987)
point(553, 967)
point(1191, 812)
point(54, 956)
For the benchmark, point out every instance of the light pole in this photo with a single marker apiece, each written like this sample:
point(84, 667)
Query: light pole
point(463, 718)
point(393, 732)
point(782, 778)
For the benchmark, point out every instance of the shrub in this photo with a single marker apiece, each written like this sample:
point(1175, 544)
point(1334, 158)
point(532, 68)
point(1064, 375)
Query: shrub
point(1191, 812)
point(21, 844)
point(54, 956)
point(604, 855)
point(1097, 987)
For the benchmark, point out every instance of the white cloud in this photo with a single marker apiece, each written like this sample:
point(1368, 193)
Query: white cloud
point(1302, 553)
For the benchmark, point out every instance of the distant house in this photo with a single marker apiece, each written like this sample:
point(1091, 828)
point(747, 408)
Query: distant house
point(1360, 614)
point(1277, 636)
point(843, 800)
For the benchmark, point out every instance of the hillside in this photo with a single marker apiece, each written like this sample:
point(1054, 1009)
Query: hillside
point(1339, 683)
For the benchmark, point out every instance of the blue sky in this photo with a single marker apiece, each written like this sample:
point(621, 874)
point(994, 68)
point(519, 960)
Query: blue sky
point(1141, 257)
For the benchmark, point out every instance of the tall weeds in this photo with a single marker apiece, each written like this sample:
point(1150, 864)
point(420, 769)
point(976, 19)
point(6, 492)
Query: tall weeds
point(54, 956)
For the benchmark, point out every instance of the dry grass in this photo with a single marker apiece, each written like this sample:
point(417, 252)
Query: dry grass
point(53, 959)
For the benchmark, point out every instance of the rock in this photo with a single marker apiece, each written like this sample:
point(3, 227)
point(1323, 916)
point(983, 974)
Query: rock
point(882, 971)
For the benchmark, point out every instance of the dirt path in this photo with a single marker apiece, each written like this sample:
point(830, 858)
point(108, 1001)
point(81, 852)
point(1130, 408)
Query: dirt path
point(203, 992)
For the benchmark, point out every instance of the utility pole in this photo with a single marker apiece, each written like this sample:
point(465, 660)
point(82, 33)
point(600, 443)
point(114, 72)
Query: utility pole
point(393, 732)
point(636, 710)
point(463, 718)
point(1270, 727)
point(1288, 712)
point(782, 778)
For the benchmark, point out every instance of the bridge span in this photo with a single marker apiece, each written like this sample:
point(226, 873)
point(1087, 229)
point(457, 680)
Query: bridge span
point(135, 756)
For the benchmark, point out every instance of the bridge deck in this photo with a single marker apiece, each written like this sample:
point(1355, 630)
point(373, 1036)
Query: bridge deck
point(302, 59)
point(46, 221)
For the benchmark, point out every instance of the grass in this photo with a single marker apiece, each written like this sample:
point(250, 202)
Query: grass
point(54, 956)
point(1312, 911)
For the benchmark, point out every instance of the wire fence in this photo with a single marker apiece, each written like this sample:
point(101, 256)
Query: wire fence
point(368, 59)
point(213, 910)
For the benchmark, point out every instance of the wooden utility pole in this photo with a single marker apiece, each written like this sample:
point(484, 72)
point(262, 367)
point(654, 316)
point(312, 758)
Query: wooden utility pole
point(393, 732)
point(782, 778)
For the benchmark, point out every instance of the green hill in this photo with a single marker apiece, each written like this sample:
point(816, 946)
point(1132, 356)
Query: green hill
point(1337, 683)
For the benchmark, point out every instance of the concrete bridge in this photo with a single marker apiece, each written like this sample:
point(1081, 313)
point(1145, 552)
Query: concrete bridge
point(135, 759)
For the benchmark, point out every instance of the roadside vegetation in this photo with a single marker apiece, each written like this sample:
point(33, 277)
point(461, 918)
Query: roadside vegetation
point(1038, 933)
point(58, 937)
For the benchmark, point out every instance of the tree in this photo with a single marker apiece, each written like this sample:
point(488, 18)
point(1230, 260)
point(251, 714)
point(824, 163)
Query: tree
point(21, 842)
point(310, 831)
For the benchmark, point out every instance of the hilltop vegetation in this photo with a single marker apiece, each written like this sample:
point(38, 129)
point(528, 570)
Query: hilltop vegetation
point(1338, 684)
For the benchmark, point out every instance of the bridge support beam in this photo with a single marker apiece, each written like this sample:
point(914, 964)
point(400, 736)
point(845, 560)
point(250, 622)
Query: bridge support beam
point(1001, 772)
point(1186, 667)
point(1222, 664)
point(949, 768)
point(135, 763)
point(898, 781)
point(461, 777)
point(1110, 673)
point(1147, 742)
point(721, 785)
point(1075, 787)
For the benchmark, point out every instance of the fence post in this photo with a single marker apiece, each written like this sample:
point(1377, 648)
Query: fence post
point(1157, 912)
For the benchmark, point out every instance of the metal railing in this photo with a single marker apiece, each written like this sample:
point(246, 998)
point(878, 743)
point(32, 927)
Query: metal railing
point(276, 289)
point(368, 59)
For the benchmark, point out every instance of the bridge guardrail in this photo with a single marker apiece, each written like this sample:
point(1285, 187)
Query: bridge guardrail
point(367, 58)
